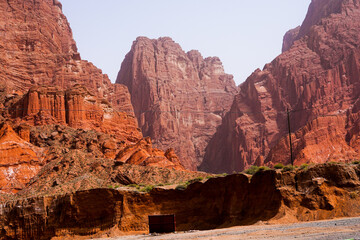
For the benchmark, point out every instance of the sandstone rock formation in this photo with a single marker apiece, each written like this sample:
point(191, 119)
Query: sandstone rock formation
point(43, 81)
point(179, 98)
point(325, 139)
point(37, 48)
point(317, 74)
point(19, 160)
point(75, 107)
point(56, 153)
point(320, 192)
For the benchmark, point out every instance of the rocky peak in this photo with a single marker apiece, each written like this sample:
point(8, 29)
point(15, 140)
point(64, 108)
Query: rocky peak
point(318, 10)
point(178, 97)
point(196, 58)
point(289, 38)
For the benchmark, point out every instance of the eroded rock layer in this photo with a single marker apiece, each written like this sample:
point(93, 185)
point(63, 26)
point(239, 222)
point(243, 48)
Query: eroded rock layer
point(317, 74)
point(19, 160)
point(75, 107)
point(179, 98)
point(75, 159)
point(37, 49)
point(320, 192)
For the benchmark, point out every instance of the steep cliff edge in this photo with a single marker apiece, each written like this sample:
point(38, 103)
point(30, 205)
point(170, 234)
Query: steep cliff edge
point(317, 74)
point(179, 98)
point(320, 192)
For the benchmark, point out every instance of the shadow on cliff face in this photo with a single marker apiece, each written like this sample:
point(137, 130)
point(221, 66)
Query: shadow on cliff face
point(219, 202)
point(229, 201)
point(319, 192)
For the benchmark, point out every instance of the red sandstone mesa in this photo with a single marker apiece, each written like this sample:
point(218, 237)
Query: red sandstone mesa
point(179, 98)
point(317, 74)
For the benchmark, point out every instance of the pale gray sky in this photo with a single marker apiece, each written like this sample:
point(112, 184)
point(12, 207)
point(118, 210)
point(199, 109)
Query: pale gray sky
point(245, 34)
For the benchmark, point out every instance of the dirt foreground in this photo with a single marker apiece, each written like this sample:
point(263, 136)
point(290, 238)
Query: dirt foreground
point(346, 228)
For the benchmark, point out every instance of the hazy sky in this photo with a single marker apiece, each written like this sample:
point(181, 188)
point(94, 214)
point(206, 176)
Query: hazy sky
point(245, 34)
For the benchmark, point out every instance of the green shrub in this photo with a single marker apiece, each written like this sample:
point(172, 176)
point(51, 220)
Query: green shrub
point(288, 168)
point(160, 185)
point(304, 166)
point(147, 188)
point(180, 187)
point(279, 166)
point(252, 170)
point(198, 179)
point(264, 168)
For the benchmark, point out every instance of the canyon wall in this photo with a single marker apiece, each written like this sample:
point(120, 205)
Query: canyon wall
point(179, 98)
point(316, 75)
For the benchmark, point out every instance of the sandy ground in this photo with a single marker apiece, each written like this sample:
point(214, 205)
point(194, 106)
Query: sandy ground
point(346, 228)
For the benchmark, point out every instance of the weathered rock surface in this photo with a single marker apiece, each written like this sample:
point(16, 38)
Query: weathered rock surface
point(44, 82)
point(325, 139)
point(75, 107)
point(37, 49)
point(19, 160)
point(179, 98)
point(320, 192)
point(69, 155)
point(317, 74)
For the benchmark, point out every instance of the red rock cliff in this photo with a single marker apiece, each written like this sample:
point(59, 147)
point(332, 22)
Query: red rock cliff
point(37, 48)
point(75, 107)
point(317, 74)
point(179, 98)
point(43, 81)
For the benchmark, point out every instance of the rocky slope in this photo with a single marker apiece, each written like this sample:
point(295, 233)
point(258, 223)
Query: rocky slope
point(317, 74)
point(64, 155)
point(320, 192)
point(179, 98)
